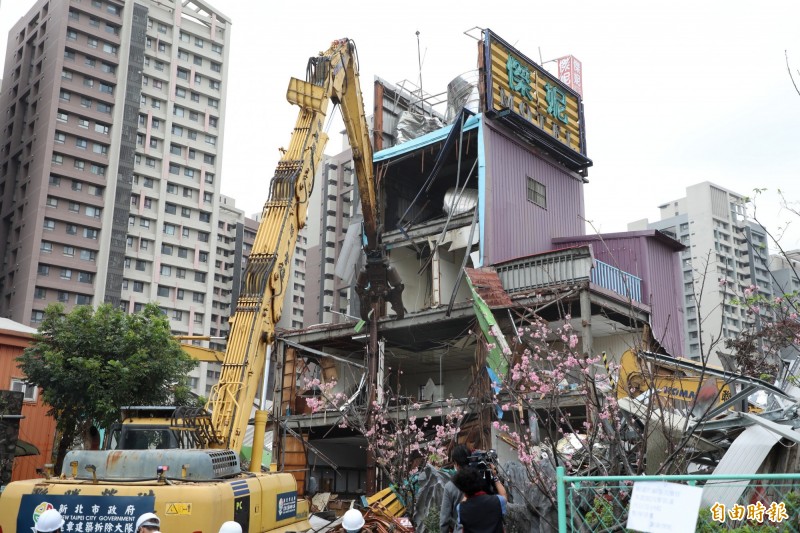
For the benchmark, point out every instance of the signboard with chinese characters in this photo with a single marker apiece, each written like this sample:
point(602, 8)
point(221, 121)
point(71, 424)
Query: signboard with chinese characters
point(86, 514)
point(531, 98)
point(286, 505)
point(570, 72)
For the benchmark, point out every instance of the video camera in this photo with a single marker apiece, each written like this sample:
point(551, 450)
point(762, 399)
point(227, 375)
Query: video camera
point(480, 461)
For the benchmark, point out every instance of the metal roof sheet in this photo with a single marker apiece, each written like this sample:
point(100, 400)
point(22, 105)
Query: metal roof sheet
point(420, 142)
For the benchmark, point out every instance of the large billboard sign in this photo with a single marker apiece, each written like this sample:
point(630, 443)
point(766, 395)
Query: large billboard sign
point(534, 99)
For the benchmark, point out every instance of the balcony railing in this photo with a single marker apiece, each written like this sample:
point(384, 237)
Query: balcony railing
point(562, 267)
point(544, 270)
point(617, 280)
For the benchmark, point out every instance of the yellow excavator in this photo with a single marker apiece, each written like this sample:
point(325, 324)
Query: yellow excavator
point(185, 465)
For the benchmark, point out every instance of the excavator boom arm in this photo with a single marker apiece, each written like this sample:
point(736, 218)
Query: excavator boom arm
point(333, 75)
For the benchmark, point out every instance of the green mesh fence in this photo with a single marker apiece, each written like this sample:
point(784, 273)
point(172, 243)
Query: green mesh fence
point(751, 504)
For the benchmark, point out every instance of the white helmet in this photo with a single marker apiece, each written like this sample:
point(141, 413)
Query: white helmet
point(50, 520)
point(353, 520)
point(230, 527)
point(148, 519)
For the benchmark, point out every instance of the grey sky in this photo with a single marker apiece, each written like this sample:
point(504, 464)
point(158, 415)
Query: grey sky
point(674, 93)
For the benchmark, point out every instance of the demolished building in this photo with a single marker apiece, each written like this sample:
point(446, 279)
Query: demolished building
point(490, 205)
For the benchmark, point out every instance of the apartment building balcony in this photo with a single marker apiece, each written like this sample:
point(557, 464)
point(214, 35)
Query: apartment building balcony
point(566, 267)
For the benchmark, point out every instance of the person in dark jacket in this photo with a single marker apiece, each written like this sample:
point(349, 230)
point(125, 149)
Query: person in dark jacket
point(479, 511)
point(448, 521)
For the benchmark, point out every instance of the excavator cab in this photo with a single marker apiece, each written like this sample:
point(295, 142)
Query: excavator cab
point(159, 428)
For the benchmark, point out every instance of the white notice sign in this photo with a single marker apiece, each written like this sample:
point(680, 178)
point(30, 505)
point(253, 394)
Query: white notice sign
point(658, 506)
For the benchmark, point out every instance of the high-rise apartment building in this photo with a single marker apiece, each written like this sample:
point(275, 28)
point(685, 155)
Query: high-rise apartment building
point(112, 116)
point(326, 297)
point(725, 254)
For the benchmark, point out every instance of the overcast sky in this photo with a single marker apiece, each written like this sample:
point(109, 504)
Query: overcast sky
point(675, 93)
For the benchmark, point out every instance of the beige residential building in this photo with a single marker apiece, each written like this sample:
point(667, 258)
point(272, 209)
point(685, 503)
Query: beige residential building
point(112, 117)
point(726, 253)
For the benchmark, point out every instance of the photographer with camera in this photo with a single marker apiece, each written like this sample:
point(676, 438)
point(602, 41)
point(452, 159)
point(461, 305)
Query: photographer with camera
point(448, 520)
point(480, 511)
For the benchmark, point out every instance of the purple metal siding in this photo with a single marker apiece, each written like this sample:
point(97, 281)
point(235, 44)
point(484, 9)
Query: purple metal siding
point(667, 291)
point(516, 227)
point(658, 265)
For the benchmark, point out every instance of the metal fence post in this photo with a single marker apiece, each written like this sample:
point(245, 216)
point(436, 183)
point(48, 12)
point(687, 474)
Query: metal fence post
point(561, 494)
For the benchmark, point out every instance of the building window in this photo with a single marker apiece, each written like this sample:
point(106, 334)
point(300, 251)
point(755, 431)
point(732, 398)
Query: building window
point(28, 390)
point(537, 193)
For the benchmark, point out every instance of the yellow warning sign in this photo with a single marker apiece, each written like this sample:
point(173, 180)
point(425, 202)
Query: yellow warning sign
point(179, 508)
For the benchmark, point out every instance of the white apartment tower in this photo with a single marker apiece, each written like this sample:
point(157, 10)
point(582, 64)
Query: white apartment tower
point(726, 253)
point(328, 296)
point(112, 117)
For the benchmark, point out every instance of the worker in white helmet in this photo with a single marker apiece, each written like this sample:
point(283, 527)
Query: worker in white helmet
point(353, 521)
point(148, 523)
point(230, 527)
point(49, 521)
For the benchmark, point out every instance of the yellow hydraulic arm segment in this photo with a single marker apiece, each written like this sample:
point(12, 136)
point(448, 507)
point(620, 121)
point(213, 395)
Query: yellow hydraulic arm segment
point(333, 75)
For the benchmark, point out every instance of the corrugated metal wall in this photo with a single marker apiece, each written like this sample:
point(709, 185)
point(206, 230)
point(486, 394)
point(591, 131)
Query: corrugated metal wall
point(666, 287)
point(36, 428)
point(658, 265)
point(515, 227)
